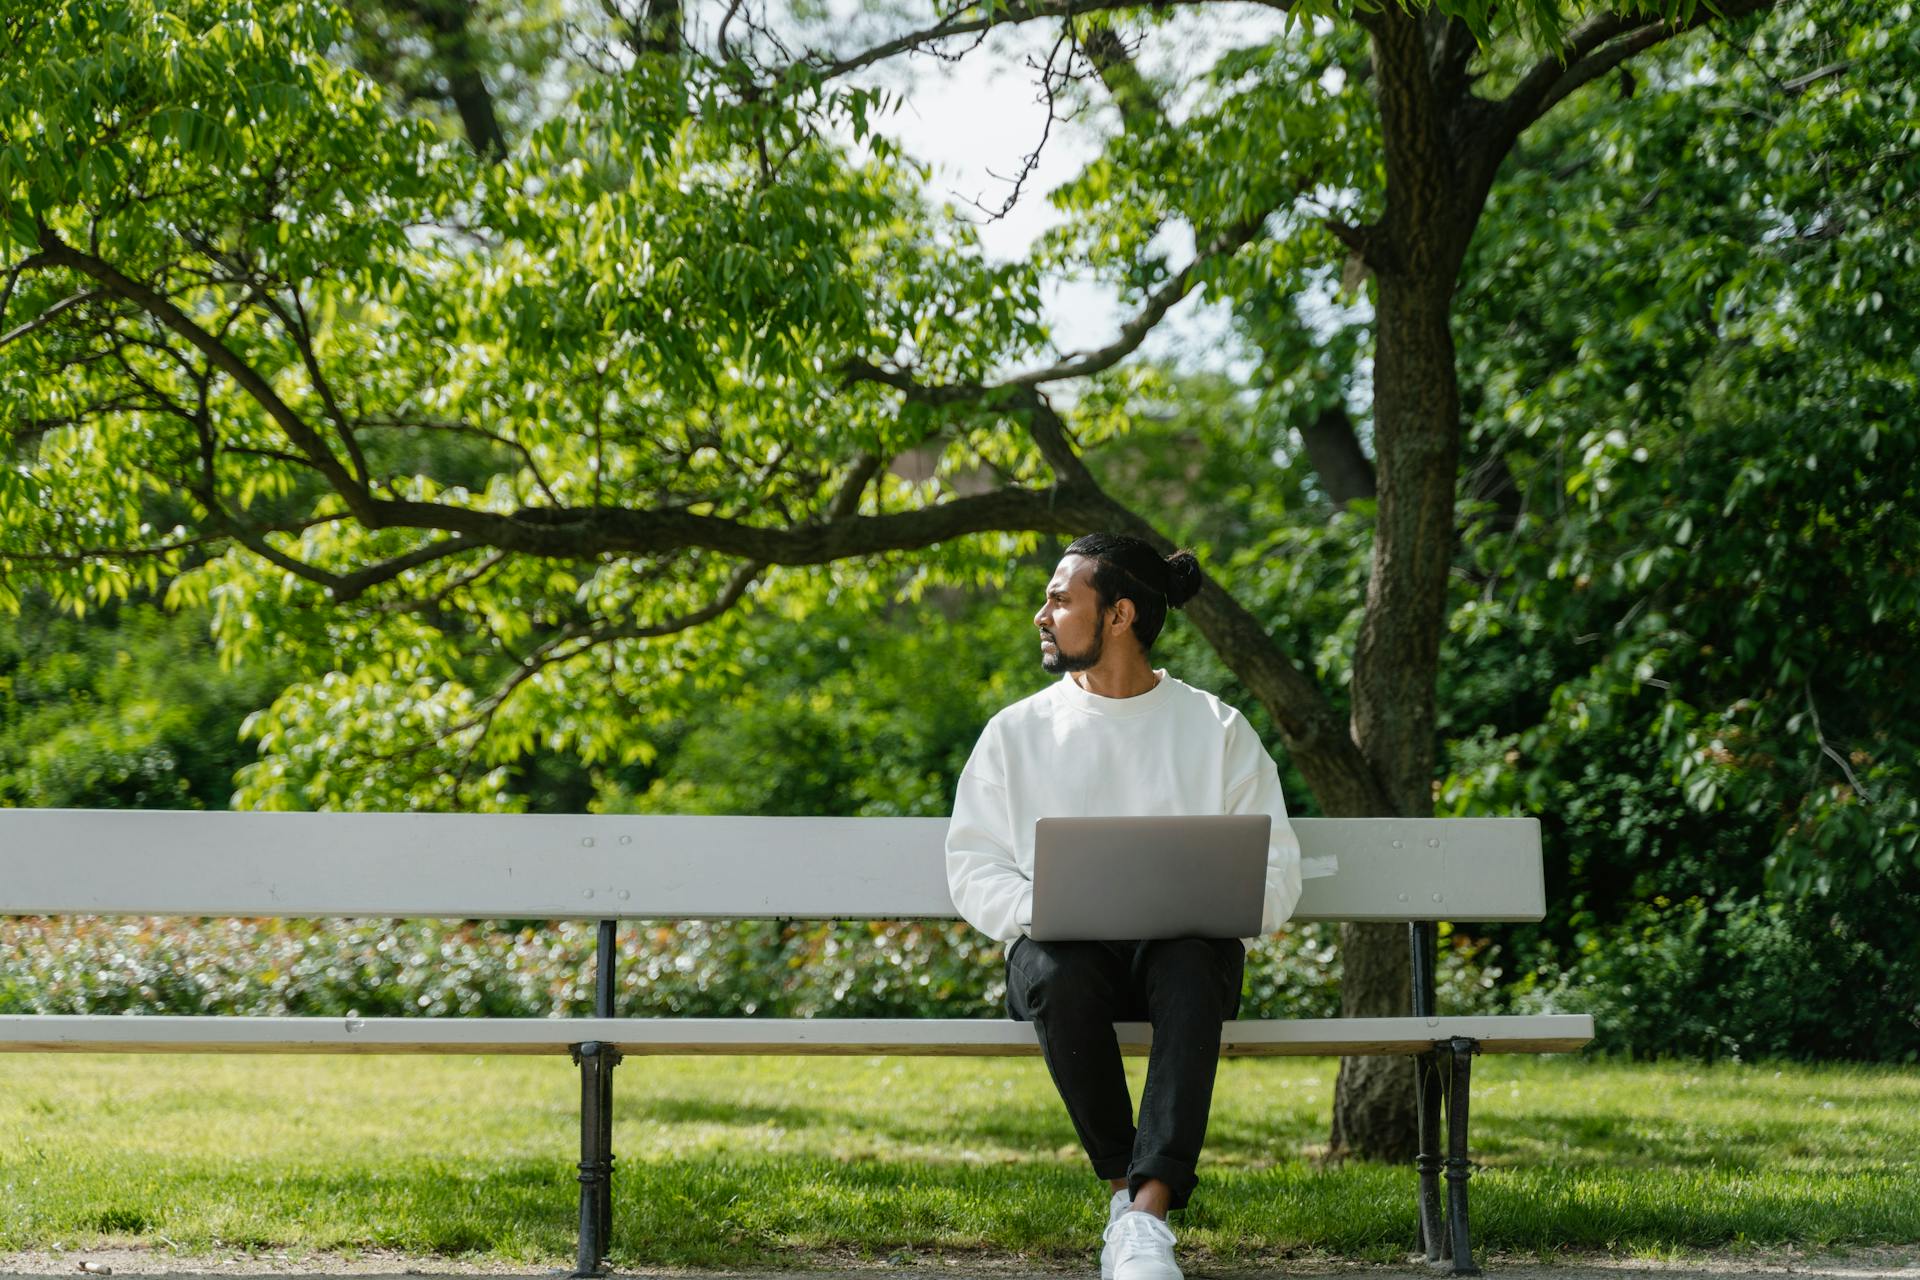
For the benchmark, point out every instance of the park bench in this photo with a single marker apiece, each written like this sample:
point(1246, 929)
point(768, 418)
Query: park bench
point(610, 868)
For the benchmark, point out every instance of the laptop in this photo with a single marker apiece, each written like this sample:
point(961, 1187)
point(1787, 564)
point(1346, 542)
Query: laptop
point(1108, 879)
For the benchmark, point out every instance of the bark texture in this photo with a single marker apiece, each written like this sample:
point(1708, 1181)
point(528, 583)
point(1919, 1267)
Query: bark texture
point(1415, 252)
point(1334, 450)
point(1373, 1101)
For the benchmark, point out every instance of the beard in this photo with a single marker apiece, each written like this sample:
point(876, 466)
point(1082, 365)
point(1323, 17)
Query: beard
point(1060, 661)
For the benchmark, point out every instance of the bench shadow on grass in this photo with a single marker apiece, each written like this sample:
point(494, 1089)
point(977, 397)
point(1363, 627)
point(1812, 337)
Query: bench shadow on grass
point(1018, 1127)
point(516, 1209)
point(743, 1207)
point(1614, 1141)
point(982, 1177)
point(671, 1110)
point(716, 1210)
point(1675, 1137)
point(722, 1211)
point(1612, 1177)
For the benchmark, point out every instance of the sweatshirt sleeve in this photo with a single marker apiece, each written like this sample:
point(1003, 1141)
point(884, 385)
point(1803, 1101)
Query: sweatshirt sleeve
point(989, 889)
point(1258, 791)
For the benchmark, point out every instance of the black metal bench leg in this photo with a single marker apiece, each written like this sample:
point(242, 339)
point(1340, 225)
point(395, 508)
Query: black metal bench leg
point(609, 1059)
point(597, 1061)
point(1427, 1105)
point(596, 1153)
point(1459, 1167)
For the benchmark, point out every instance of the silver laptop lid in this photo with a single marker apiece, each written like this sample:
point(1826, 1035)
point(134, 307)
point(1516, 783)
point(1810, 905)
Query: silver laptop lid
point(1110, 879)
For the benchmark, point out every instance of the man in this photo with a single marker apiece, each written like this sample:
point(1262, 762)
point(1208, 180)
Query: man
point(1115, 737)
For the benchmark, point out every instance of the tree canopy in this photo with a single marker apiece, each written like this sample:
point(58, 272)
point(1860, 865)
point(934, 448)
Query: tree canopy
point(492, 370)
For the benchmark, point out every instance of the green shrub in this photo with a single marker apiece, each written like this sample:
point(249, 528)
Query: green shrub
point(688, 968)
point(1737, 977)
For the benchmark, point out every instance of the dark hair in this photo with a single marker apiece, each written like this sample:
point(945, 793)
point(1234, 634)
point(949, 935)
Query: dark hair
point(1125, 568)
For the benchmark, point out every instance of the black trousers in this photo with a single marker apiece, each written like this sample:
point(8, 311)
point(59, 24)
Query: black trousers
point(1073, 993)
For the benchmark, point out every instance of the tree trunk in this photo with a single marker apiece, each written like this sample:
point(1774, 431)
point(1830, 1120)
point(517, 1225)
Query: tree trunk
point(1415, 251)
point(455, 48)
point(1334, 450)
point(1373, 1111)
point(1442, 146)
point(1396, 664)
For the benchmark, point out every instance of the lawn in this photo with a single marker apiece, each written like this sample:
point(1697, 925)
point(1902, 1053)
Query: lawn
point(738, 1161)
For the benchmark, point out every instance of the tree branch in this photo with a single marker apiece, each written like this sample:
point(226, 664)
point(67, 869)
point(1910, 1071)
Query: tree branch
point(83, 554)
point(846, 503)
point(1333, 447)
point(1112, 56)
point(737, 584)
point(955, 24)
point(277, 455)
point(467, 428)
point(1827, 749)
point(1135, 331)
point(1450, 47)
point(588, 533)
point(14, 273)
point(1525, 97)
point(342, 587)
point(1049, 431)
point(1800, 84)
point(431, 604)
point(56, 252)
point(301, 331)
point(550, 652)
point(1593, 49)
point(554, 651)
point(51, 314)
point(1132, 334)
point(1050, 97)
point(1358, 239)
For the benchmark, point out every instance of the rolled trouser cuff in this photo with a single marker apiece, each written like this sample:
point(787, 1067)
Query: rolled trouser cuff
point(1177, 1174)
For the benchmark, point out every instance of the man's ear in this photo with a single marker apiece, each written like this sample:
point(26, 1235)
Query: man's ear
point(1123, 613)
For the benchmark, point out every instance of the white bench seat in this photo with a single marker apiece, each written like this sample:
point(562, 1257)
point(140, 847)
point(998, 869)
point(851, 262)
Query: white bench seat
point(615, 867)
point(985, 1037)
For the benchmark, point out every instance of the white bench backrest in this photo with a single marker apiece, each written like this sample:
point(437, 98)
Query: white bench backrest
point(528, 866)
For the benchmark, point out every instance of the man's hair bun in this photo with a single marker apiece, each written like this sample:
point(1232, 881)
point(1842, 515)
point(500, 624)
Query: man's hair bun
point(1126, 568)
point(1183, 577)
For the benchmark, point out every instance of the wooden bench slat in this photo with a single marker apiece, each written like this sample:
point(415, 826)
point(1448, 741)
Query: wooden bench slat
point(1536, 1033)
point(651, 866)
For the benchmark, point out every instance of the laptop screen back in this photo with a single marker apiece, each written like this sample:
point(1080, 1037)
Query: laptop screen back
point(1112, 879)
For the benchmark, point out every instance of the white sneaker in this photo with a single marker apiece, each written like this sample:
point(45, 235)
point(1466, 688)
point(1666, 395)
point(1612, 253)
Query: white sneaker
point(1119, 1205)
point(1142, 1247)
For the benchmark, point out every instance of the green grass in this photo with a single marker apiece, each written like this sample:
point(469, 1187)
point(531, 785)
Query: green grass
point(737, 1161)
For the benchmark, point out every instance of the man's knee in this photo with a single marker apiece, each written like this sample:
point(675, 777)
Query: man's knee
point(1062, 974)
point(1191, 957)
point(1181, 972)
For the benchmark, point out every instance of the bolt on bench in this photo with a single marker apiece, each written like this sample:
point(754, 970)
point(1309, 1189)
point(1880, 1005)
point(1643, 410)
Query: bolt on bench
point(613, 867)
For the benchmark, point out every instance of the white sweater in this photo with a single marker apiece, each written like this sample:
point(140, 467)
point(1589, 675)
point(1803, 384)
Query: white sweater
point(1065, 752)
